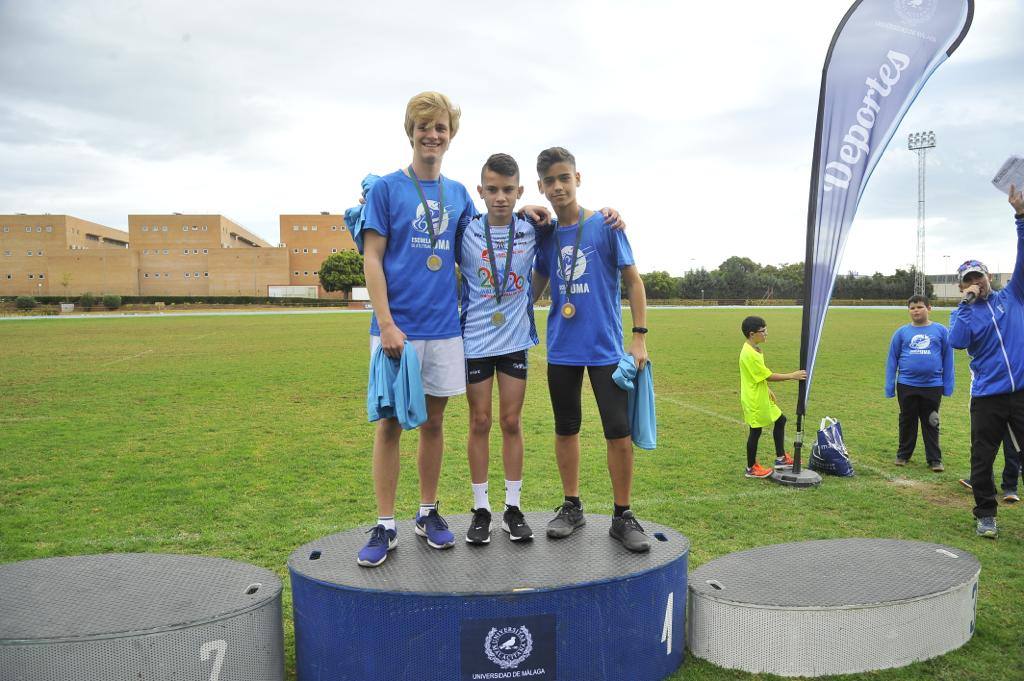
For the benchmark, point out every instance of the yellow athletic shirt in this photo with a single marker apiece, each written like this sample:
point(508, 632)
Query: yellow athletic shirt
point(758, 409)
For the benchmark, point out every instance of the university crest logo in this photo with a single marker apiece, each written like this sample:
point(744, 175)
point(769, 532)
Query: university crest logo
point(508, 647)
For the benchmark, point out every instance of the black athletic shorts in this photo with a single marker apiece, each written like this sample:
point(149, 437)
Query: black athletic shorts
point(513, 364)
point(565, 384)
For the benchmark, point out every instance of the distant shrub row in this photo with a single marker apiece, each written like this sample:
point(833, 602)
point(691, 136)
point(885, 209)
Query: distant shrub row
point(87, 300)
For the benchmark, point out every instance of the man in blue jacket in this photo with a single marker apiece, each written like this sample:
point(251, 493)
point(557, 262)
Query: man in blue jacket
point(990, 325)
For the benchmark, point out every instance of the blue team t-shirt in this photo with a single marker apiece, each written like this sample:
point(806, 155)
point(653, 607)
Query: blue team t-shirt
point(920, 356)
point(480, 337)
point(423, 303)
point(593, 337)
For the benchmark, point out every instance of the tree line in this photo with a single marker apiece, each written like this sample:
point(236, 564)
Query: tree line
point(743, 278)
point(735, 278)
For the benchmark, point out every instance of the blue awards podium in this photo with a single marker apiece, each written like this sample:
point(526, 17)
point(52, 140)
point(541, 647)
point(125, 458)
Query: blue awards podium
point(576, 609)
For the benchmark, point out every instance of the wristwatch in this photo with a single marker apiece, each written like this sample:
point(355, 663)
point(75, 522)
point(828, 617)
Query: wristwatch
point(639, 329)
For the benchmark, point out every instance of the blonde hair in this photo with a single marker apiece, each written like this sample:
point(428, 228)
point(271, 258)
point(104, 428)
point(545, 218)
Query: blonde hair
point(431, 105)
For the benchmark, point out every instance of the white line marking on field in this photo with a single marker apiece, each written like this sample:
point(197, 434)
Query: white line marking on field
point(125, 359)
point(703, 410)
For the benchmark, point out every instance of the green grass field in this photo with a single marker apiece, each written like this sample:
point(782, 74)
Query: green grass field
point(244, 437)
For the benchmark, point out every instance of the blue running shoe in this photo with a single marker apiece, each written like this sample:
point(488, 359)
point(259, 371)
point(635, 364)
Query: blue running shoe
point(376, 550)
point(435, 529)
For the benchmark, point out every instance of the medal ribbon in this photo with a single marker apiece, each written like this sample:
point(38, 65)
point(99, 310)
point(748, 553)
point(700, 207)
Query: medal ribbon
point(426, 207)
point(499, 286)
point(567, 277)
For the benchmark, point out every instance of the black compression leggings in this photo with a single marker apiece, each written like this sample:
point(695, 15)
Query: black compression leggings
point(778, 434)
point(565, 383)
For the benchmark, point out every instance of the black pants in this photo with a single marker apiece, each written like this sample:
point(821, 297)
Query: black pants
point(778, 434)
point(1011, 463)
point(992, 419)
point(916, 406)
point(565, 385)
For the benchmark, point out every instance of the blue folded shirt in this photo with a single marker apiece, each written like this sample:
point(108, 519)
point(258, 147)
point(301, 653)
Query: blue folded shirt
point(355, 217)
point(395, 389)
point(642, 417)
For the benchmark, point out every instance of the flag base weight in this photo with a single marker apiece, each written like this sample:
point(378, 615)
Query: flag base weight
point(805, 478)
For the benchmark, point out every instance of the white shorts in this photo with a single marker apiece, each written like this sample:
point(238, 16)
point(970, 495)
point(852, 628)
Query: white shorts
point(442, 365)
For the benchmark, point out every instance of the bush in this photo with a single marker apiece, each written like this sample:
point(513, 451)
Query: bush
point(25, 303)
point(87, 300)
point(111, 301)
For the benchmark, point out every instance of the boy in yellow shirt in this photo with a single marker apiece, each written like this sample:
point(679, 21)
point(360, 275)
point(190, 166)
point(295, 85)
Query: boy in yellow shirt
point(758, 401)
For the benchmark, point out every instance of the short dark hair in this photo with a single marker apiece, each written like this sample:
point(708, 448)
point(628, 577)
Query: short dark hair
point(752, 324)
point(503, 164)
point(918, 298)
point(550, 157)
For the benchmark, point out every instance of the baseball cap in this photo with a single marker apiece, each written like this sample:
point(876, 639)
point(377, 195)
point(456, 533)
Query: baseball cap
point(971, 267)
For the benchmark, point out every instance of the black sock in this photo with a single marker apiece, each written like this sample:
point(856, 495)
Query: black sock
point(575, 501)
point(619, 510)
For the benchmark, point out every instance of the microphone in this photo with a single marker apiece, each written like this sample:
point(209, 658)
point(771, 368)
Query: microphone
point(970, 297)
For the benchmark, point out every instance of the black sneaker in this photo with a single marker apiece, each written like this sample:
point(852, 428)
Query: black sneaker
point(627, 530)
point(479, 531)
point(570, 516)
point(513, 522)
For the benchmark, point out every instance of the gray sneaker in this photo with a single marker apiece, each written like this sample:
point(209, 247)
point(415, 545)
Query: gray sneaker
point(987, 527)
point(627, 530)
point(568, 519)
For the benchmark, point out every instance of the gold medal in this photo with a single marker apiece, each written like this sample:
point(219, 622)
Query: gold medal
point(434, 262)
point(498, 318)
point(568, 310)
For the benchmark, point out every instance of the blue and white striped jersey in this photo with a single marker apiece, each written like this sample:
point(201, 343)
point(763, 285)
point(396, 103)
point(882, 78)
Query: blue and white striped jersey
point(481, 337)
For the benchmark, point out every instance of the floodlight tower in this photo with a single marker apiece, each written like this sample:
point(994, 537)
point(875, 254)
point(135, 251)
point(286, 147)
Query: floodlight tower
point(920, 142)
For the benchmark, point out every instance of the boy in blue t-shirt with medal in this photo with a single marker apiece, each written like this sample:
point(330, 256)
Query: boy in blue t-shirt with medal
point(411, 218)
point(918, 372)
point(585, 333)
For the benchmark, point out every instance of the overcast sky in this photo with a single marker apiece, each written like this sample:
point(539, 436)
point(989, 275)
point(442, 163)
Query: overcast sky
point(695, 120)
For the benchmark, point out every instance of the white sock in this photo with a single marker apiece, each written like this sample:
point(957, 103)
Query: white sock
point(512, 489)
point(388, 521)
point(480, 499)
point(425, 509)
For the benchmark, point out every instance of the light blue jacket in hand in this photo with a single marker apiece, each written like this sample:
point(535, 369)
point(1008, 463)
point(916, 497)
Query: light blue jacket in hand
point(395, 389)
point(643, 420)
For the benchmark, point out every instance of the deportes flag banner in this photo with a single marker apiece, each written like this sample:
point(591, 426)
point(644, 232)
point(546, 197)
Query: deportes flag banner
point(881, 56)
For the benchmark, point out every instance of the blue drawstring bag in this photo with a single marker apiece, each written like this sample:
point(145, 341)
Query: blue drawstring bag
point(829, 454)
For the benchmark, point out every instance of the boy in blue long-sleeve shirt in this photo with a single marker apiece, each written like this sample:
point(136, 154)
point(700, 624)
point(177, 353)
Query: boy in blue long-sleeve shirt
point(990, 325)
point(918, 373)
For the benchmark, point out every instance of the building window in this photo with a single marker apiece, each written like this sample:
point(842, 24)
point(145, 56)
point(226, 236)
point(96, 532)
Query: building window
point(313, 228)
point(334, 228)
point(186, 275)
point(195, 228)
point(28, 229)
point(195, 274)
point(204, 228)
point(146, 275)
point(39, 228)
point(145, 228)
point(295, 250)
point(184, 251)
point(195, 251)
point(30, 254)
point(314, 251)
point(295, 228)
point(49, 228)
point(157, 275)
point(305, 228)
point(42, 276)
point(296, 273)
point(164, 228)
point(184, 228)
point(334, 250)
point(30, 276)
point(206, 274)
point(9, 276)
point(165, 251)
point(305, 274)
point(167, 274)
point(206, 251)
point(39, 252)
point(6, 228)
point(304, 250)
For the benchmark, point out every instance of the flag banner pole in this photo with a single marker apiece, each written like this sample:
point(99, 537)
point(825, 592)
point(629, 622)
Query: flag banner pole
point(881, 55)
